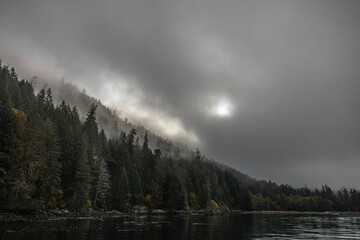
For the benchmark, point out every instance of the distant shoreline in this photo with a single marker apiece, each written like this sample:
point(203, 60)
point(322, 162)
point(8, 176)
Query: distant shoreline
point(64, 214)
point(301, 213)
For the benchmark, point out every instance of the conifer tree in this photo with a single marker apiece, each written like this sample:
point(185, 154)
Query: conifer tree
point(81, 185)
point(50, 171)
point(102, 185)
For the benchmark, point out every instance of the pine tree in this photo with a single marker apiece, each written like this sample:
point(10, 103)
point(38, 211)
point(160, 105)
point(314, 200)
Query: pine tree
point(122, 199)
point(131, 141)
point(81, 185)
point(91, 126)
point(49, 104)
point(28, 97)
point(90, 129)
point(103, 185)
point(12, 126)
point(50, 171)
point(13, 87)
point(4, 82)
point(145, 146)
point(40, 99)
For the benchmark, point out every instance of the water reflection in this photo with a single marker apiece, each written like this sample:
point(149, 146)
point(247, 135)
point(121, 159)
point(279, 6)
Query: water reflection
point(246, 226)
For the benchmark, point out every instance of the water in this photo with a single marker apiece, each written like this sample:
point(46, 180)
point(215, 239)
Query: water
point(245, 226)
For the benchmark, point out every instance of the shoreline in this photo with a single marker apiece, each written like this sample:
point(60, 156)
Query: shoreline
point(90, 214)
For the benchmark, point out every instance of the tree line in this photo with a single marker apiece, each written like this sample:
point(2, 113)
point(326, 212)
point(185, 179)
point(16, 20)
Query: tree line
point(50, 157)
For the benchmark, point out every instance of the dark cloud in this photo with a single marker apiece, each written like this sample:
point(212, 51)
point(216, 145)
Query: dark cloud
point(290, 69)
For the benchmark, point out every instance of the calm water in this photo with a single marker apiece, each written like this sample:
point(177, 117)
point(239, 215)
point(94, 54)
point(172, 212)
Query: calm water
point(248, 226)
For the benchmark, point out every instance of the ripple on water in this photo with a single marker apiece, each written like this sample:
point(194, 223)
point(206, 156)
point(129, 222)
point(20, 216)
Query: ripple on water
point(247, 226)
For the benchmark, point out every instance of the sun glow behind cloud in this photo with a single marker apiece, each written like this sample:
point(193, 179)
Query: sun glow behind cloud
point(220, 107)
point(223, 109)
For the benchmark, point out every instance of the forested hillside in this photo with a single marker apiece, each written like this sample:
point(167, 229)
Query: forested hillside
point(107, 119)
point(51, 157)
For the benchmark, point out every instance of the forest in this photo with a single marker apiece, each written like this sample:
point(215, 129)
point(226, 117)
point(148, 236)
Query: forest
point(53, 157)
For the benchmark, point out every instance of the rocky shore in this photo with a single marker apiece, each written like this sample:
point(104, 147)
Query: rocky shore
point(62, 214)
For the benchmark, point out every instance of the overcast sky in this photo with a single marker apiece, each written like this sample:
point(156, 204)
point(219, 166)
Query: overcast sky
point(271, 88)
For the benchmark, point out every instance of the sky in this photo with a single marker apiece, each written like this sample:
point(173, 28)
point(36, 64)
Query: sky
point(271, 88)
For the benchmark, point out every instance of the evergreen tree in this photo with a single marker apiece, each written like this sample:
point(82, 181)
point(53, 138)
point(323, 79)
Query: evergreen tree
point(13, 88)
point(103, 185)
point(90, 129)
point(131, 141)
point(4, 82)
point(81, 185)
point(12, 127)
point(173, 195)
point(49, 179)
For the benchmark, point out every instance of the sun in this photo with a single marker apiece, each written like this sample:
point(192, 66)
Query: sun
point(223, 109)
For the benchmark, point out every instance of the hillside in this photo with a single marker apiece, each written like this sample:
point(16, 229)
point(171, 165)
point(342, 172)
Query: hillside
point(108, 119)
point(62, 148)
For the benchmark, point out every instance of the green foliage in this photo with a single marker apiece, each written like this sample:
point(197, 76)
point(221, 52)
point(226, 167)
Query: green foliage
point(173, 192)
point(81, 185)
point(48, 181)
point(193, 203)
point(102, 184)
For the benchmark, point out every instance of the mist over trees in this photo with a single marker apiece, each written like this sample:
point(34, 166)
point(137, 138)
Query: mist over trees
point(52, 157)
